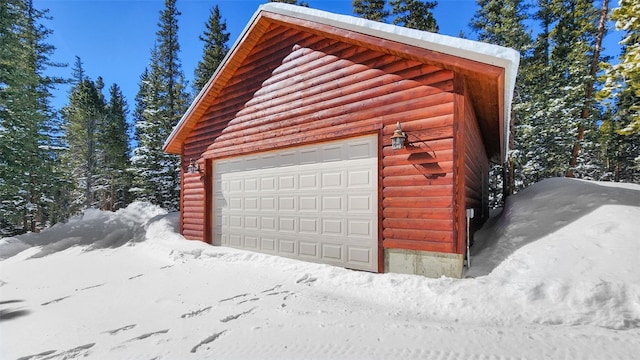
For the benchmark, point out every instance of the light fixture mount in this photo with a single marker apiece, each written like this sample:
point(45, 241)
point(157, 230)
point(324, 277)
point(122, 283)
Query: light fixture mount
point(193, 167)
point(398, 138)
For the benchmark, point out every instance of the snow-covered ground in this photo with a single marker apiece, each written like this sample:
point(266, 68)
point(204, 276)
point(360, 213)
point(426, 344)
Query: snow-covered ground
point(554, 277)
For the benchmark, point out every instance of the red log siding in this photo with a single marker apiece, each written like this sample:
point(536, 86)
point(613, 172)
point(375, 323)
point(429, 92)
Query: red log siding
point(296, 88)
point(476, 169)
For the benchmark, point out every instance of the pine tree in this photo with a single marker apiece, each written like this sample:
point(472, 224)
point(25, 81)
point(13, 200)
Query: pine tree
point(113, 153)
point(414, 14)
point(575, 39)
point(586, 123)
point(370, 9)
point(620, 151)
point(12, 77)
point(161, 104)
point(78, 74)
point(623, 79)
point(28, 147)
point(84, 115)
point(531, 156)
point(622, 88)
point(553, 102)
point(503, 23)
point(215, 49)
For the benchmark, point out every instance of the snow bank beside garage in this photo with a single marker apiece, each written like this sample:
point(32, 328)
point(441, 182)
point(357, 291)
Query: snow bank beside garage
point(552, 277)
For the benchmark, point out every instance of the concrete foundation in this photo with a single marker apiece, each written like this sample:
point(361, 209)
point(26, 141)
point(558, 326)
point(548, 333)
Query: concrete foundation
point(425, 263)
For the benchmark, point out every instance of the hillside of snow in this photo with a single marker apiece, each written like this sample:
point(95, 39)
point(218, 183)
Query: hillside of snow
point(553, 276)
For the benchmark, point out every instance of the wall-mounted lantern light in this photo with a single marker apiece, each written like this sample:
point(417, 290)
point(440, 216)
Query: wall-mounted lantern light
point(398, 138)
point(193, 167)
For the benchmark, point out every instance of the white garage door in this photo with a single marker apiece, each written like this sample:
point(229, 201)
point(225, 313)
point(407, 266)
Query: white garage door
point(316, 203)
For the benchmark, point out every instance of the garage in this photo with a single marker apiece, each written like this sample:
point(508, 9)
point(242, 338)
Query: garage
point(315, 202)
point(327, 138)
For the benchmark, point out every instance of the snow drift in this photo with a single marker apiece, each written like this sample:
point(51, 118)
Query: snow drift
point(121, 285)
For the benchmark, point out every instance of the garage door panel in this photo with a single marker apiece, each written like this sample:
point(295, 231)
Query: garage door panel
point(286, 182)
point(332, 153)
point(287, 224)
point(360, 254)
point(287, 203)
point(268, 245)
point(235, 240)
point(268, 223)
point(251, 185)
point(331, 180)
point(359, 178)
point(308, 225)
point(235, 221)
point(287, 247)
point(332, 227)
point(251, 242)
point(268, 183)
point(332, 203)
point(309, 249)
point(308, 203)
point(251, 203)
point(268, 203)
point(316, 203)
point(235, 186)
point(361, 150)
point(361, 204)
point(251, 222)
point(360, 228)
point(235, 203)
point(333, 252)
point(309, 181)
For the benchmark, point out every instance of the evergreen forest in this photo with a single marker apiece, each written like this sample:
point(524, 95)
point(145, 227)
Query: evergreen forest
point(575, 113)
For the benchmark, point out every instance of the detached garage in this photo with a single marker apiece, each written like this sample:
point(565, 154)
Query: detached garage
point(344, 141)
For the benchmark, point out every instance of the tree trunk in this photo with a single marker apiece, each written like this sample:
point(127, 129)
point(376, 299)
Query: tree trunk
point(589, 91)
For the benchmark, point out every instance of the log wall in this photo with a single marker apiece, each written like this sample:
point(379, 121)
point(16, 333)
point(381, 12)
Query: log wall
point(297, 88)
point(476, 173)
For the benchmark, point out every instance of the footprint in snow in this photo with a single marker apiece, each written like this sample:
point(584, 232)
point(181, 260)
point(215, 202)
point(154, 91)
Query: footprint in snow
point(10, 314)
point(272, 289)
point(10, 302)
point(306, 279)
point(119, 330)
point(37, 356)
point(233, 297)
point(90, 287)
point(196, 312)
point(76, 352)
point(208, 340)
point(237, 316)
point(55, 300)
point(244, 301)
point(144, 336)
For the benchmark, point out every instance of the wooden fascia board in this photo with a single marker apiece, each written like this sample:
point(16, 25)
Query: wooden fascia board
point(216, 83)
point(504, 148)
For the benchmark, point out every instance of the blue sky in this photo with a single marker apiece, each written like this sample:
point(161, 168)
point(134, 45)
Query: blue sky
point(114, 37)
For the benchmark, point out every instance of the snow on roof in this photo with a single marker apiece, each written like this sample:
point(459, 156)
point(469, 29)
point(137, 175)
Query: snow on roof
point(489, 54)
